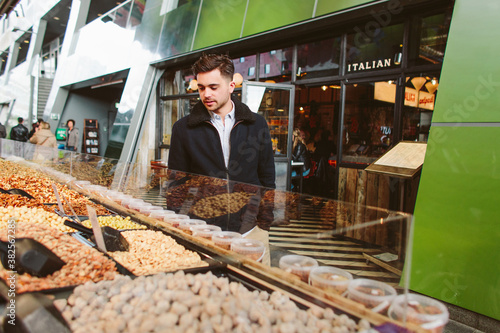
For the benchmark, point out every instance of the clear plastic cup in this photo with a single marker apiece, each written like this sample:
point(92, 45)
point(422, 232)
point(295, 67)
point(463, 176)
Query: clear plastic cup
point(182, 216)
point(251, 248)
point(298, 265)
point(426, 312)
point(146, 210)
point(374, 295)
point(186, 224)
point(139, 205)
point(161, 214)
point(205, 231)
point(119, 198)
point(223, 239)
point(127, 203)
point(330, 279)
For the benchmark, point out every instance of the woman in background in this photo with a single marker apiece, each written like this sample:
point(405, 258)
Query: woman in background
point(44, 138)
point(72, 137)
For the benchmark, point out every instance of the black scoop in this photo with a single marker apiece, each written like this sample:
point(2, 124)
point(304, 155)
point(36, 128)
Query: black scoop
point(17, 191)
point(113, 239)
point(31, 257)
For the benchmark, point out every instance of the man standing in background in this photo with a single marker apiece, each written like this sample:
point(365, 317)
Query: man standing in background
point(19, 132)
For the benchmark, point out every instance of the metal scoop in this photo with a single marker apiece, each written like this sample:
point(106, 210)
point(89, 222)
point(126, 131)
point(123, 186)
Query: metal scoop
point(31, 257)
point(113, 239)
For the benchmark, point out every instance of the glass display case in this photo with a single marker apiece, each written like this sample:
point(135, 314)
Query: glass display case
point(318, 253)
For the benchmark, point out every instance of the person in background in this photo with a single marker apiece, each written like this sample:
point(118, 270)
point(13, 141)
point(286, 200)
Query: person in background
point(72, 136)
point(223, 138)
point(300, 153)
point(3, 131)
point(34, 128)
point(19, 132)
point(47, 140)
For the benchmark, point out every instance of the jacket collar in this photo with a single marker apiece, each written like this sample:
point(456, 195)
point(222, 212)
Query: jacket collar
point(200, 114)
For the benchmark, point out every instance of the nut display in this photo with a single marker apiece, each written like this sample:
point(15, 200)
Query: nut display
point(152, 252)
point(34, 215)
point(83, 263)
point(179, 302)
point(219, 205)
point(116, 222)
point(375, 295)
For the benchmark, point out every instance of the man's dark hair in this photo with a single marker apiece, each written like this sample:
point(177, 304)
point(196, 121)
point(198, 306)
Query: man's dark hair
point(71, 121)
point(20, 120)
point(209, 62)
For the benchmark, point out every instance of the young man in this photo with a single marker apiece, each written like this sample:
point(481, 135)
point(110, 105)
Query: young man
point(223, 138)
point(19, 132)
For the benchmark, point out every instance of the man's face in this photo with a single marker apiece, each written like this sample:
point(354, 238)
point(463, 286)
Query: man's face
point(215, 91)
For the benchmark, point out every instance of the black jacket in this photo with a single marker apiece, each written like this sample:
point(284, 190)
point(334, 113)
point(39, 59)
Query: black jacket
point(195, 147)
point(300, 154)
point(19, 133)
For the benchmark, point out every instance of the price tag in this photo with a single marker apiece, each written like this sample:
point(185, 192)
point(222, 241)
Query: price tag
point(96, 228)
point(59, 203)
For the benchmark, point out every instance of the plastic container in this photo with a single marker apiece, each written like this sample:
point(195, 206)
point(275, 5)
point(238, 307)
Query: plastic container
point(120, 198)
point(80, 184)
point(223, 239)
point(182, 216)
point(161, 214)
point(298, 265)
point(374, 295)
point(426, 312)
point(127, 203)
point(139, 205)
point(205, 231)
point(251, 248)
point(146, 210)
point(330, 279)
point(185, 225)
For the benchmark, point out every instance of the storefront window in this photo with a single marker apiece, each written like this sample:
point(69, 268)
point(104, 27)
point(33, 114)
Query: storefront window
point(318, 59)
point(420, 96)
point(374, 48)
point(276, 65)
point(170, 84)
point(432, 42)
point(246, 67)
point(368, 121)
point(137, 11)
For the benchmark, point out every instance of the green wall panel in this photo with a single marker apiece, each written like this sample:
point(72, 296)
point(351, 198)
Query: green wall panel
point(469, 90)
point(220, 21)
point(456, 254)
point(329, 6)
point(175, 40)
point(264, 15)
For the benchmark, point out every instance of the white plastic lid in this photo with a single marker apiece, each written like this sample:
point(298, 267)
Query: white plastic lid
point(421, 310)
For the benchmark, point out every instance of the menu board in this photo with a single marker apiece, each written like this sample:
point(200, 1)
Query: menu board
point(403, 160)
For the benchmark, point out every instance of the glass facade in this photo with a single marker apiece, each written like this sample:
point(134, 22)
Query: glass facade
point(356, 94)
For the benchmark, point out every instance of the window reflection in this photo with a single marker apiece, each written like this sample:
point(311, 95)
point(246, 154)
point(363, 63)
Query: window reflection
point(318, 59)
point(433, 37)
point(368, 121)
point(420, 97)
point(246, 67)
point(276, 65)
point(374, 50)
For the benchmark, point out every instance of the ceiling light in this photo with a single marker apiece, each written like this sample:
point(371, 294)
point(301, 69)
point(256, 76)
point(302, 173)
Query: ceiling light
point(56, 18)
point(104, 84)
point(324, 88)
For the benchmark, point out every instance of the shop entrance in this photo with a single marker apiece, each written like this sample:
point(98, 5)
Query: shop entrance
point(275, 102)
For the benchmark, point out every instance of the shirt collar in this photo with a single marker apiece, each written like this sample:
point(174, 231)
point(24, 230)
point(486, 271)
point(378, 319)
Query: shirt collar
point(230, 114)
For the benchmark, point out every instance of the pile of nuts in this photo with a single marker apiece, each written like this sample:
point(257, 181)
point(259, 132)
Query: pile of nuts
point(219, 205)
point(192, 303)
point(152, 252)
point(116, 222)
point(35, 215)
point(83, 263)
